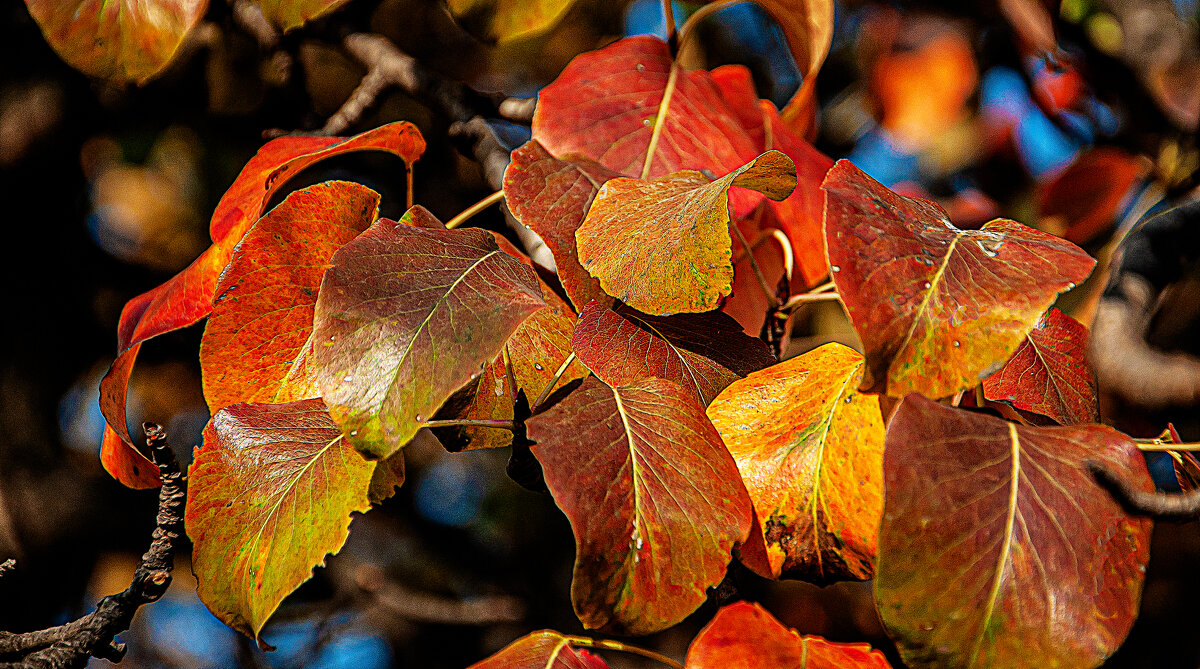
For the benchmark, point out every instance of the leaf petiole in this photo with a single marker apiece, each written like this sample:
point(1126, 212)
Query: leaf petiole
point(1160, 445)
point(623, 647)
point(475, 209)
point(805, 298)
point(553, 382)
point(772, 302)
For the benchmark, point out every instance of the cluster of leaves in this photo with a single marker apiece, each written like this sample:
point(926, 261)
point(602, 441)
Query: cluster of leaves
point(671, 438)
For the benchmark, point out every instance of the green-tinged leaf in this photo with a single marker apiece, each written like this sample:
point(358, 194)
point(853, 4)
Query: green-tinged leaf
point(702, 353)
point(654, 500)
point(998, 548)
point(938, 309)
point(662, 245)
point(541, 650)
point(551, 197)
point(269, 495)
point(746, 636)
point(257, 345)
point(1049, 373)
point(810, 449)
point(118, 40)
point(406, 317)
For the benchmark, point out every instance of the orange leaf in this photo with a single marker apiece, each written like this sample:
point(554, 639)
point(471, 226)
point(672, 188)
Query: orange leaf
point(810, 448)
point(257, 345)
point(938, 309)
point(746, 636)
point(1084, 200)
point(662, 245)
point(125, 40)
point(541, 650)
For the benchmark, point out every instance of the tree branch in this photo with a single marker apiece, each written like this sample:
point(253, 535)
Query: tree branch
point(73, 644)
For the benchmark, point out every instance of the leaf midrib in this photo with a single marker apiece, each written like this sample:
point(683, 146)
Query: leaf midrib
point(1006, 545)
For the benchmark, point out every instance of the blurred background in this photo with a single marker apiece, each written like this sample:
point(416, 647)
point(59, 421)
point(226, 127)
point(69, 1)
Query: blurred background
point(106, 193)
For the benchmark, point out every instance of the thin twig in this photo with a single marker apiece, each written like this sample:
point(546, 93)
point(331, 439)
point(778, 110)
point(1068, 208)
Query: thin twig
point(785, 245)
point(805, 298)
point(475, 209)
point(1153, 445)
point(1142, 502)
point(772, 302)
point(73, 644)
point(498, 423)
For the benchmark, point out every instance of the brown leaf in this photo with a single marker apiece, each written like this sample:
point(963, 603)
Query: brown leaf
point(997, 546)
point(653, 497)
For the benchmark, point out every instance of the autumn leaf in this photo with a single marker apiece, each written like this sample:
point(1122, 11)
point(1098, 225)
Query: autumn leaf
point(188, 296)
point(541, 650)
point(810, 448)
point(662, 245)
point(291, 14)
point(653, 497)
point(1049, 373)
point(510, 20)
point(125, 40)
point(746, 636)
point(407, 316)
point(270, 493)
point(257, 345)
point(997, 546)
point(551, 196)
point(938, 309)
point(702, 353)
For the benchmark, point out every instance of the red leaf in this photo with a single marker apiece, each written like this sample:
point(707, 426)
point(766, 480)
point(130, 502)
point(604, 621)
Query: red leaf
point(188, 296)
point(998, 548)
point(938, 309)
point(257, 345)
point(121, 41)
point(746, 636)
point(654, 500)
point(1085, 199)
point(269, 495)
point(702, 353)
point(551, 197)
point(405, 318)
point(810, 448)
point(1049, 373)
point(662, 245)
point(541, 650)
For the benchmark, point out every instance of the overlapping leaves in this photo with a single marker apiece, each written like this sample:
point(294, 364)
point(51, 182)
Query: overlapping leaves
point(663, 245)
point(702, 353)
point(937, 308)
point(810, 449)
point(998, 548)
point(407, 316)
point(1049, 374)
point(188, 296)
point(269, 495)
point(654, 500)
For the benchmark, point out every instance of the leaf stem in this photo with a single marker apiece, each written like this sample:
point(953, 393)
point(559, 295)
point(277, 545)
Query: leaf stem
point(804, 298)
point(699, 15)
point(669, 17)
point(408, 187)
point(553, 382)
point(498, 423)
point(772, 302)
point(1161, 445)
point(824, 288)
point(785, 245)
point(475, 209)
point(660, 120)
point(624, 648)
